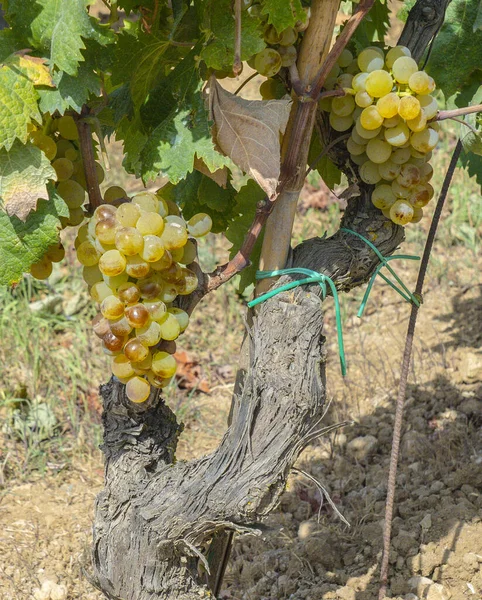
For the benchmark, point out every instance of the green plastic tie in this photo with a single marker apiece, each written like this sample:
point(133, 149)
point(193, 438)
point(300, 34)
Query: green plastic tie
point(406, 294)
point(312, 277)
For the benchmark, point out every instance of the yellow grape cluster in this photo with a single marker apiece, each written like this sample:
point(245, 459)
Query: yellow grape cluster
point(388, 106)
point(60, 146)
point(135, 258)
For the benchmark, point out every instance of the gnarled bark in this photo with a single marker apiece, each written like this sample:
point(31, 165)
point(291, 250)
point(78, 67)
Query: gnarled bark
point(156, 517)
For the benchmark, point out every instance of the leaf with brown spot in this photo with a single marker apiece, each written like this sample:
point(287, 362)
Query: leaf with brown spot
point(34, 68)
point(24, 174)
point(248, 131)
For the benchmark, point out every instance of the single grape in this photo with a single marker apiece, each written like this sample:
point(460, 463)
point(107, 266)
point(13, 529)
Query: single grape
point(112, 263)
point(383, 197)
point(353, 148)
point(369, 172)
point(114, 192)
point(100, 290)
point(429, 106)
point(92, 275)
point(137, 267)
point(163, 209)
point(343, 106)
point(157, 310)
point(271, 36)
point(129, 293)
point(400, 156)
point(55, 253)
point(150, 288)
point(72, 192)
point(105, 231)
point(271, 89)
point(150, 224)
point(146, 201)
point(366, 134)
point(63, 168)
point(370, 118)
point(401, 212)
point(378, 151)
point(345, 80)
point(163, 263)
point(44, 143)
point(421, 195)
point(175, 236)
point(128, 214)
point(112, 308)
point(153, 248)
point(100, 325)
point(288, 37)
point(181, 316)
point(392, 121)
point(396, 52)
point(120, 326)
point(340, 123)
point(389, 170)
point(137, 315)
point(345, 58)
point(150, 334)
point(418, 123)
point(419, 82)
point(199, 225)
point(267, 62)
point(104, 211)
point(113, 342)
point(379, 83)
point(409, 175)
point(357, 138)
point(170, 328)
point(425, 140)
point(398, 135)
point(189, 253)
point(155, 380)
point(76, 216)
point(67, 128)
point(135, 350)
point(64, 146)
point(426, 172)
point(173, 274)
point(388, 105)
point(399, 190)
point(138, 390)
point(163, 364)
point(188, 283)
point(121, 367)
point(129, 241)
point(417, 215)
point(370, 60)
point(359, 82)
point(403, 68)
point(42, 269)
point(363, 99)
point(88, 254)
point(409, 107)
point(169, 293)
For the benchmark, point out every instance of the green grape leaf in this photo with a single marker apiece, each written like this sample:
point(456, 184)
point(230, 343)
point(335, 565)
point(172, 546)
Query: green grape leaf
point(473, 164)
point(18, 105)
point(71, 93)
point(457, 51)
point(246, 201)
point(374, 26)
point(57, 28)
point(218, 24)
point(283, 14)
point(8, 43)
point(22, 244)
point(134, 141)
point(24, 174)
point(184, 131)
point(330, 174)
point(478, 18)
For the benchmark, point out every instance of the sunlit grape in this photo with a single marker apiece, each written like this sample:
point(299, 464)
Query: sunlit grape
point(370, 119)
point(170, 328)
point(150, 224)
point(100, 325)
point(163, 364)
point(121, 367)
point(174, 236)
point(127, 214)
point(88, 254)
point(388, 105)
point(129, 241)
point(425, 140)
point(146, 201)
point(112, 307)
point(378, 151)
point(403, 68)
point(157, 310)
point(181, 316)
point(398, 135)
point(366, 134)
point(45, 143)
point(112, 263)
point(113, 342)
point(401, 212)
point(359, 82)
point(67, 128)
point(383, 197)
point(137, 267)
point(121, 326)
point(379, 83)
point(419, 82)
point(363, 99)
point(395, 53)
point(137, 315)
point(138, 389)
point(199, 225)
point(135, 350)
point(409, 107)
point(100, 290)
point(153, 248)
point(41, 269)
point(105, 231)
point(188, 283)
point(370, 60)
point(150, 334)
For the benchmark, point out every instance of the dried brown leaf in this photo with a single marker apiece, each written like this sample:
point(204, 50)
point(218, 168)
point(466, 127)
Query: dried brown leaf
point(248, 131)
point(220, 176)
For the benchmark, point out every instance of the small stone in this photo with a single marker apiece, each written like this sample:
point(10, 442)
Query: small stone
point(59, 592)
point(346, 593)
point(306, 529)
point(471, 366)
point(361, 447)
point(471, 406)
point(437, 592)
point(426, 522)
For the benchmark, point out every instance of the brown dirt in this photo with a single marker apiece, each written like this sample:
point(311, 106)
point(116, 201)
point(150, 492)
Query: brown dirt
point(307, 552)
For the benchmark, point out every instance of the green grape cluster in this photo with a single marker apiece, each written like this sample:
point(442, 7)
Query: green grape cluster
point(388, 105)
point(58, 140)
point(281, 51)
point(135, 259)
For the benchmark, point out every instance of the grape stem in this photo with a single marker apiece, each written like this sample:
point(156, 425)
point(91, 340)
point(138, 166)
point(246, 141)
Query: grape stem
point(450, 114)
point(462, 122)
point(88, 158)
point(237, 65)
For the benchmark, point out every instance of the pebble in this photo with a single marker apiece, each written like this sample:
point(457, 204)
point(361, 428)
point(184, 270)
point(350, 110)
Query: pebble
point(361, 447)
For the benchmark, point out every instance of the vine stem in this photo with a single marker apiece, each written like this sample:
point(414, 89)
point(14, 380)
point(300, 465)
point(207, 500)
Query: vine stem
point(88, 159)
point(407, 355)
point(237, 65)
point(450, 114)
